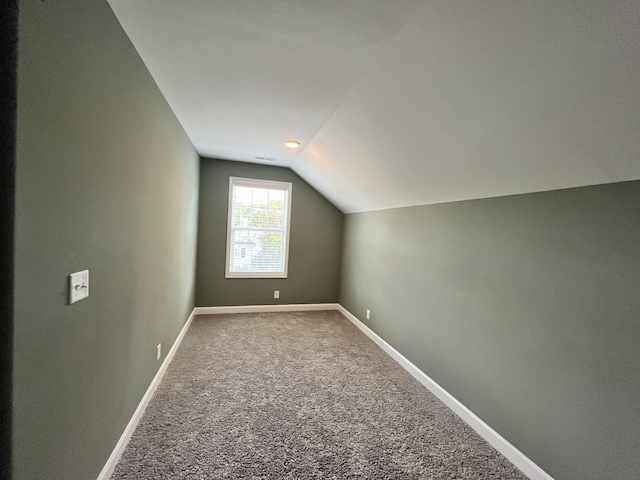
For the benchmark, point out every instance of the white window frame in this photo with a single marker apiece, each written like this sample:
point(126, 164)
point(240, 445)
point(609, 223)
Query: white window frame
point(264, 184)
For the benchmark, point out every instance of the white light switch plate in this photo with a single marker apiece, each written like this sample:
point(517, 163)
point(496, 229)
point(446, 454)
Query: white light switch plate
point(78, 286)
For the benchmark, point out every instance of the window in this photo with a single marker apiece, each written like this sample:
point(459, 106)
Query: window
point(258, 228)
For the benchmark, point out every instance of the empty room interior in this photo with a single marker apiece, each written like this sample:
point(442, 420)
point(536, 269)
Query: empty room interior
point(465, 191)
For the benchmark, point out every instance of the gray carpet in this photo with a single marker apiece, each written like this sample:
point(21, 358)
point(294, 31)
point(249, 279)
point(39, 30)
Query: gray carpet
point(293, 396)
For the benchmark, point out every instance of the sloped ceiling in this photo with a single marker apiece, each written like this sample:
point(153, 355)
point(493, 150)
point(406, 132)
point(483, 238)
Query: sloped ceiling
point(404, 102)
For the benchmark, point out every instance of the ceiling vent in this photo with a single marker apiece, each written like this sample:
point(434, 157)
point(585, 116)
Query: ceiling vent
point(261, 158)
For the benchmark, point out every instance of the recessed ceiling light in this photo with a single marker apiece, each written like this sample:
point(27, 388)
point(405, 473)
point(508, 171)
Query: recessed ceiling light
point(292, 144)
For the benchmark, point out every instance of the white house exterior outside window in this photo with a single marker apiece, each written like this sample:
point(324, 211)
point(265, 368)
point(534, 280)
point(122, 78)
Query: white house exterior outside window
point(258, 228)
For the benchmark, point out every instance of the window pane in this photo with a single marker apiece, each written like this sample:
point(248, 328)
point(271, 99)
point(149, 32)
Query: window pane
point(276, 215)
point(260, 196)
point(263, 251)
point(257, 217)
point(242, 195)
point(258, 232)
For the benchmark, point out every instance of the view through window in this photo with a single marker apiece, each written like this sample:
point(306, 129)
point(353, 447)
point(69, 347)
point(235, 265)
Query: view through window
point(258, 228)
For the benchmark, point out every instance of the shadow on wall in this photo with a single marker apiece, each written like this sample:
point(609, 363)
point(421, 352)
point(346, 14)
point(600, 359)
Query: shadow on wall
point(8, 87)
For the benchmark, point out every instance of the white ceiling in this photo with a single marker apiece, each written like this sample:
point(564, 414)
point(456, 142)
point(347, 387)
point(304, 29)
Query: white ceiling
point(404, 102)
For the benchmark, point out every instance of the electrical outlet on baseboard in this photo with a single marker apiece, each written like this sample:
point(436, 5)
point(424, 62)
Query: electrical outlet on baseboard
point(159, 351)
point(276, 294)
point(368, 313)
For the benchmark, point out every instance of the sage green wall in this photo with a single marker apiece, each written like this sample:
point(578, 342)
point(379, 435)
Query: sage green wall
point(525, 308)
point(107, 181)
point(314, 248)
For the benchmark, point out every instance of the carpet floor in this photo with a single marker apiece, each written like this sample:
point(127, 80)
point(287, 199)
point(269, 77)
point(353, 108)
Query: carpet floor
point(298, 395)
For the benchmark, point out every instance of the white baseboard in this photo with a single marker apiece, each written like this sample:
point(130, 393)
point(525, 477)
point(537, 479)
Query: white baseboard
point(515, 456)
point(110, 466)
point(302, 307)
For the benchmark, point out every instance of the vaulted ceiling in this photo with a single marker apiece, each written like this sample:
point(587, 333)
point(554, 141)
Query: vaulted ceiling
point(403, 102)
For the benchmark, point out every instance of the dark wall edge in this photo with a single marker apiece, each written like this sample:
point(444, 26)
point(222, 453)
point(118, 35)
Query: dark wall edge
point(8, 87)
